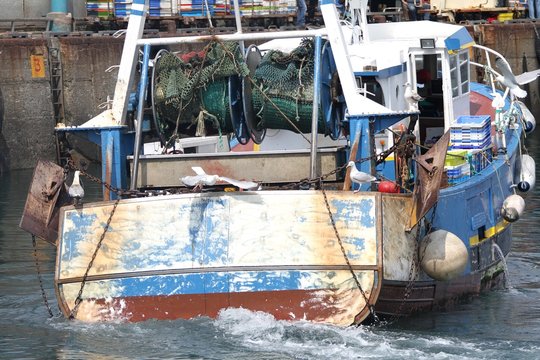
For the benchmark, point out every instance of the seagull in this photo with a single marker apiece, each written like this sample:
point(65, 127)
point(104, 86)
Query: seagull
point(508, 79)
point(76, 191)
point(411, 96)
point(359, 177)
point(527, 77)
point(203, 179)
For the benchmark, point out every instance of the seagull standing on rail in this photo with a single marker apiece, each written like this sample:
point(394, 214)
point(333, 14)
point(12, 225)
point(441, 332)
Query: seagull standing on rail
point(411, 96)
point(76, 191)
point(359, 177)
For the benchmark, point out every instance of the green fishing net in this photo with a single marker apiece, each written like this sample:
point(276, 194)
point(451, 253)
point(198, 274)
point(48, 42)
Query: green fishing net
point(191, 90)
point(285, 82)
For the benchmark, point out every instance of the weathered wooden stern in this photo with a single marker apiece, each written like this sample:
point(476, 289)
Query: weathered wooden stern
point(192, 255)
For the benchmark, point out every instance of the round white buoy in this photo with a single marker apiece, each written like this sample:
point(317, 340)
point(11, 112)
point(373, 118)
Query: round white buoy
point(443, 256)
point(528, 118)
point(512, 208)
point(525, 176)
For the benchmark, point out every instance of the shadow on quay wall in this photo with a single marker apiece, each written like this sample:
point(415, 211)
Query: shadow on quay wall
point(4, 151)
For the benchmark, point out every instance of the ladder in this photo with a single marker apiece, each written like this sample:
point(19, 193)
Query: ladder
point(55, 71)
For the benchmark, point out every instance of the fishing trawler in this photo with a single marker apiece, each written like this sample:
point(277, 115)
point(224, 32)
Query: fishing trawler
point(337, 175)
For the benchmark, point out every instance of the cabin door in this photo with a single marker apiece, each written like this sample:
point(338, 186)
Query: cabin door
point(426, 73)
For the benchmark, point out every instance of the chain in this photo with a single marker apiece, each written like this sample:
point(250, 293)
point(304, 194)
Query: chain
point(119, 192)
point(71, 165)
point(43, 294)
point(307, 182)
point(357, 282)
point(78, 300)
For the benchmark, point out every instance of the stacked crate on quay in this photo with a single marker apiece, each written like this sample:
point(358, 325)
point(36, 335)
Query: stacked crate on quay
point(166, 8)
point(122, 8)
point(163, 7)
point(264, 7)
point(100, 8)
point(198, 7)
point(247, 7)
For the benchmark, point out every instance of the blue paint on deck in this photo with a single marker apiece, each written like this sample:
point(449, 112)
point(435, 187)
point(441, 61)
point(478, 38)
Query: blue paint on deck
point(216, 283)
point(366, 205)
point(80, 223)
point(205, 245)
point(208, 240)
point(352, 213)
point(349, 212)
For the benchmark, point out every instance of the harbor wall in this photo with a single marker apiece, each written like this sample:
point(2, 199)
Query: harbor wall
point(21, 9)
point(27, 127)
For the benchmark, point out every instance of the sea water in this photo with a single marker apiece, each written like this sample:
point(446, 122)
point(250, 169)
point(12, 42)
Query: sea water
point(501, 324)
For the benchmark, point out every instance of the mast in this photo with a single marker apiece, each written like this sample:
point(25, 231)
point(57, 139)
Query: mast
point(127, 63)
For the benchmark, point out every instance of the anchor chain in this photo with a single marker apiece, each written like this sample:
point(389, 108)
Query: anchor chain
point(78, 299)
point(119, 192)
point(38, 269)
point(338, 237)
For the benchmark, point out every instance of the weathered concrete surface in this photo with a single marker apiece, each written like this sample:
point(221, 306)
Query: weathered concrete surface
point(37, 8)
point(86, 84)
point(4, 153)
point(28, 113)
point(29, 116)
point(514, 41)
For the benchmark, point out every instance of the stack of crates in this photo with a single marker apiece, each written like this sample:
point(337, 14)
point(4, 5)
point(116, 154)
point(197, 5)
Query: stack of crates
point(221, 7)
point(197, 7)
point(264, 7)
point(287, 7)
point(470, 147)
point(247, 7)
point(457, 167)
point(471, 132)
point(122, 8)
point(162, 7)
point(100, 8)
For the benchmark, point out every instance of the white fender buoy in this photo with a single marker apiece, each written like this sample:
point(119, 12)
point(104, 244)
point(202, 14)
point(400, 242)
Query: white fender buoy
point(528, 117)
point(512, 208)
point(443, 256)
point(525, 175)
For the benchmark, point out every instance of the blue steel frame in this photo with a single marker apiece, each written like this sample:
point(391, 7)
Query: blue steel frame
point(116, 144)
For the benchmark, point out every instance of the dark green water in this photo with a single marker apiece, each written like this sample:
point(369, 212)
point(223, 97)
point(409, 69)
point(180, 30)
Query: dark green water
point(502, 324)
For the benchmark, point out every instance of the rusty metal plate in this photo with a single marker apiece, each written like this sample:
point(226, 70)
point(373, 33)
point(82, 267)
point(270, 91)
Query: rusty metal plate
point(430, 167)
point(40, 215)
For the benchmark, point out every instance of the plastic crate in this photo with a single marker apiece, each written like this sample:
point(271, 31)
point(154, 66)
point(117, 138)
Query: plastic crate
point(471, 132)
point(456, 157)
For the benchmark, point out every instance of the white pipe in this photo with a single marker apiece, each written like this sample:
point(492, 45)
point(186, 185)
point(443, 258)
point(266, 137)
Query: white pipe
point(232, 37)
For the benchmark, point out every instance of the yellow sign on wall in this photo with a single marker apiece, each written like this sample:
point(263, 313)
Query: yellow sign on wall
point(38, 66)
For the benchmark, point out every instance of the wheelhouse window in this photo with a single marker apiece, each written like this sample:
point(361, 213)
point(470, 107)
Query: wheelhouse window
point(459, 73)
point(464, 71)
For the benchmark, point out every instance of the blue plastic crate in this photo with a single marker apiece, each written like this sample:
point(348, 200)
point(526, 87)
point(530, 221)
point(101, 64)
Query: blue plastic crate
point(471, 145)
point(471, 122)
